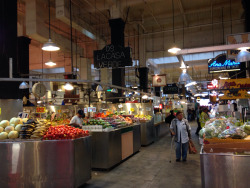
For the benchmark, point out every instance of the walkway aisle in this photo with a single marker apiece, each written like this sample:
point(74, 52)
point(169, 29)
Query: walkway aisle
point(150, 168)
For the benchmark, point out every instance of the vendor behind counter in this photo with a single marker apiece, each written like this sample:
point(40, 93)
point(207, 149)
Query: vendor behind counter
point(76, 120)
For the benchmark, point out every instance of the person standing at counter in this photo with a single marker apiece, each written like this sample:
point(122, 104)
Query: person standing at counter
point(204, 117)
point(77, 121)
point(169, 119)
point(181, 130)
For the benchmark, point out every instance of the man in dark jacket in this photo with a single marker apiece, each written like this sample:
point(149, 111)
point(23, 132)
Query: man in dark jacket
point(170, 117)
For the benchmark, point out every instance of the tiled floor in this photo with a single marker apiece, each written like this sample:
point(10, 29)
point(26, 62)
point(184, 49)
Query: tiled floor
point(150, 168)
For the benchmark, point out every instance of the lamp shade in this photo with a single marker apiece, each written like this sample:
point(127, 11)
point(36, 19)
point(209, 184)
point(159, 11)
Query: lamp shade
point(174, 50)
point(24, 85)
point(68, 86)
point(99, 88)
point(50, 63)
point(114, 90)
point(243, 56)
point(50, 46)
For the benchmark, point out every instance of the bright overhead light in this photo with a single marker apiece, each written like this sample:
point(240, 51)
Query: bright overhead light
point(144, 97)
point(24, 85)
point(50, 63)
point(125, 93)
point(114, 90)
point(39, 102)
point(174, 50)
point(223, 78)
point(50, 46)
point(221, 94)
point(243, 48)
point(99, 88)
point(59, 89)
point(191, 83)
point(248, 92)
point(68, 86)
point(243, 56)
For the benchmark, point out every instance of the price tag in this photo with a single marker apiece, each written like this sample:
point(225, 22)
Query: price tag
point(90, 109)
point(85, 110)
point(132, 109)
point(23, 115)
point(94, 109)
point(0, 111)
point(40, 109)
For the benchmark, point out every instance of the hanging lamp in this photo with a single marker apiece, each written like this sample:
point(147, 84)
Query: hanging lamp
point(174, 48)
point(114, 90)
point(50, 46)
point(68, 86)
point(221, 94)
point(24, 85)
point(50, 62)
point(243, 55)
point(99, 88)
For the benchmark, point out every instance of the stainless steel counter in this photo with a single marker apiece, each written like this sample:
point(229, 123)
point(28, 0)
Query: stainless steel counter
point(147, 133)
point(224, 170)
point(45, 164)
point(107, 146)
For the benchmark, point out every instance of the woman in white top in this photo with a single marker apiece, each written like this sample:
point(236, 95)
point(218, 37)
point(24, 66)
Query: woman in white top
point(181, 130)
point(77, 121)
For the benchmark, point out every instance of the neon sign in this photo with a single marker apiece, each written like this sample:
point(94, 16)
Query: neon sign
point(226, 63)
point(221, 64)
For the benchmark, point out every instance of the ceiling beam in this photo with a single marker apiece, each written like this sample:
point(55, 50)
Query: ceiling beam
point(212, 48)
point(182, 12)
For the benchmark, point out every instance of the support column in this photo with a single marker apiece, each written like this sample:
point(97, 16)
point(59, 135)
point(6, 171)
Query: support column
point(8, 48)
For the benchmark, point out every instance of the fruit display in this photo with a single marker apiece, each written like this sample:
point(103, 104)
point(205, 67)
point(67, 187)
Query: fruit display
point(142, 118)
point(64, 132)
point(27, 129)
point(103, 123)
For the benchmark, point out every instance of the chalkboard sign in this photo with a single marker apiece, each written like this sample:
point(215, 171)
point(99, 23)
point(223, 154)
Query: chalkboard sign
point(112, 56)
point(171, 89)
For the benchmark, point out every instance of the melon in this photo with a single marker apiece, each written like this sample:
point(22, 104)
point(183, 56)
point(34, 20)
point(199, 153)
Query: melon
point(9, 128)
point(4, 123)
point(1, 129)
point(3, 135)
point(18, 127)
point(13, 134)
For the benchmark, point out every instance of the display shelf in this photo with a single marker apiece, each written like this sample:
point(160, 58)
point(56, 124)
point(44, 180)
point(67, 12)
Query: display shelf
point(45, 164)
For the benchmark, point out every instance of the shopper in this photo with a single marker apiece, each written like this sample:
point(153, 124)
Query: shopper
point(198, 113)
point(170, 117)
point(181, 130)
point(77, 121)
point(204, 117)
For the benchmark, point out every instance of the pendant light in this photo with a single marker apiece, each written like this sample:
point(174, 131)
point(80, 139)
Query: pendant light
point(50, 62)
point(68, 86)
point(243, 55)
point(248, 92)
point(99, 88)
point(174, 48)
point(221, 94)
point(114, 90)
point(24, 85)
point(50, 46)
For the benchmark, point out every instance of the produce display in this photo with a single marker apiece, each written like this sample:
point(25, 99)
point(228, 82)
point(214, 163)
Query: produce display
point(64, 132)
point(225, 128)
point(38, 129)
point(142, 118)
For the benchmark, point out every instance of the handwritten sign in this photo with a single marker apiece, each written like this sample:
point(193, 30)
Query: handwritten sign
point(40, 109)
point(23, 115)
point(112, 56)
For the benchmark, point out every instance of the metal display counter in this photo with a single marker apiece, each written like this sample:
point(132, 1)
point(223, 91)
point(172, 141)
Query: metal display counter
point(107, 146)
point(224, 170)
point(147, 133)
point(45, 164)
point(161, 129)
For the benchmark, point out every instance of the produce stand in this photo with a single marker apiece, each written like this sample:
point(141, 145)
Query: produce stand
point(224, 170)
point(110, 148)
point(45, 164)
point(147, 133)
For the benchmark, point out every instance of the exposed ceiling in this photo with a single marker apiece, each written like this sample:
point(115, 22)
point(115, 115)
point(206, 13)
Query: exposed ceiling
point(197, 23)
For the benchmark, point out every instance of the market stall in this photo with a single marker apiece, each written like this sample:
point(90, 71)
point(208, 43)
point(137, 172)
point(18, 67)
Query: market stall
point(225, 160)
point(39, 154)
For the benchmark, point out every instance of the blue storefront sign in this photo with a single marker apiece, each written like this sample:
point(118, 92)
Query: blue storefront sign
point(222, 64)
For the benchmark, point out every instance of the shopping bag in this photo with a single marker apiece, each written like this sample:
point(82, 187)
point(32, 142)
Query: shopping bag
point(191, 147)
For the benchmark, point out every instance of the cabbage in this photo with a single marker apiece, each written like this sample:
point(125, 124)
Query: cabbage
point(3, 135)
point(4, 123)
point(1, 129)
point(201, 133)
point(235, 132)
point(9, 128)
point(13, 134)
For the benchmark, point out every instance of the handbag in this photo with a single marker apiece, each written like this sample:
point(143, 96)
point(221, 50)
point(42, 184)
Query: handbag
point(191, 147)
